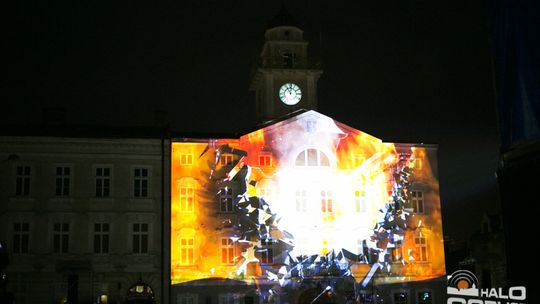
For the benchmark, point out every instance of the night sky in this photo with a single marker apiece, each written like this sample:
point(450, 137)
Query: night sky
point(403, 71)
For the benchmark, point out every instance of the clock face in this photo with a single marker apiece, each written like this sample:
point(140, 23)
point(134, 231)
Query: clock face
point(290, 94)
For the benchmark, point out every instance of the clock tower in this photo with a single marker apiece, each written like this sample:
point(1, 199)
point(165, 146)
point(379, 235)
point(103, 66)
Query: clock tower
point(284, 78)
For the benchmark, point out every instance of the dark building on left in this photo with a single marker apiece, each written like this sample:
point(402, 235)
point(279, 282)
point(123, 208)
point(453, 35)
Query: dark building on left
point(81, 215)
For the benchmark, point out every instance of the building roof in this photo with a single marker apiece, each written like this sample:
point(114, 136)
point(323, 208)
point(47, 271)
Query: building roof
point(283, 18)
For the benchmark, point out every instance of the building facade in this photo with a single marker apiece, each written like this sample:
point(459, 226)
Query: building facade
point(304, 204)
point(81, 218)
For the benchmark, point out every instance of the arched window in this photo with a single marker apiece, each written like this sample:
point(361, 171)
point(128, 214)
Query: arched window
point(312, 158)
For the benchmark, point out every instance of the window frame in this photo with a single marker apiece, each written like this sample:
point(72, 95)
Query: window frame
point(22, 235)
point(102, 237)
point(63, 176)
point(23, 180)
point(140, 238)
point(417, 199)
point(226, 194)
point(141, 179)
point(421, 249)
point(186, 246)
point(63, 236)
point(108, 177)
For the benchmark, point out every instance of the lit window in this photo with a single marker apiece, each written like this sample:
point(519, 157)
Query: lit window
point(360, 201)
point(418, 163)
point(265, 193)
point(327, 204)
point(101, 238)
point(265, 160)
point(227, 251)
point(103, 182)
point(312, 158)
point(61, 237)
point(397, 252)
point(401, 298)
point(226, 200)
point(424, 297)
point(417, 200)
point(358, 159)
point(22, 181)
point(186, 159)
point(267, 252)
point(326, 246)
point(140, 238)
point(187, 199)
point(187, 249)
point(140, 182)
point(63, 181)
point(301, 201)
point(225, 159)
point(21, 235)
point(421, 249)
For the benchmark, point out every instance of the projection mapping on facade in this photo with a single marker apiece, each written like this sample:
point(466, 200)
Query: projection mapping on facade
point(304, 201)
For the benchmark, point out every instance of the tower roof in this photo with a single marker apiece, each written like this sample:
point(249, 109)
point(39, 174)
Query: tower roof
point(282, 18)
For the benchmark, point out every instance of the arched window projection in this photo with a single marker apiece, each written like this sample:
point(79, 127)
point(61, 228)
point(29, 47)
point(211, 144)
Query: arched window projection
point(312, 158)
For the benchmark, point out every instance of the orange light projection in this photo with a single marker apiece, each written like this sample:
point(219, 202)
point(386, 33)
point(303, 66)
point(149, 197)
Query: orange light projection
point(248, 208)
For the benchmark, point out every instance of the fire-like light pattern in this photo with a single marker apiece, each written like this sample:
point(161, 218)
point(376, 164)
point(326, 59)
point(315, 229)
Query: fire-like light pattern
point(304, 197)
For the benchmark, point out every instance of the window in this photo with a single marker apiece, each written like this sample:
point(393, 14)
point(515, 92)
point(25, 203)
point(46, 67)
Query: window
point(140, 238)
point(265, 193)
point(358, 160)
point(365, 298)
point(360, 201)
point(265, 160)
point(186, 298)
point(288, 60)
point(226, 200)
point(397, 252)
point(301, 201)
point(418, 163)
point(63, 181)
point(401, 298)
point(230, 298)
point(21, 235)
point(227, 251)
point(312, 158)
point(424, 297)
point(140, 182)
point(187, 249)
point(61, 237)
point(186, 159)
point(326, 246)
point(103, 182)
point(327, 204)
point(267, 254)
point(101, 238)
point(225, 159)
point(22, 181)
point(187, 199)
point(421, 248)
point(417, 200)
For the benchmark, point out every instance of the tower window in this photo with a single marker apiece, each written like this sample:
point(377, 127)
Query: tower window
point(288, 60)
